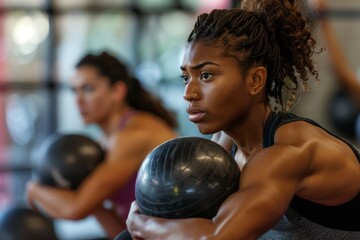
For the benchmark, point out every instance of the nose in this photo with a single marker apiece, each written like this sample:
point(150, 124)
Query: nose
point(79, 98)
point(192, 91)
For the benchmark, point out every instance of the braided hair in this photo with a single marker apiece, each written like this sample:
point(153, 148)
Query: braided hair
point(271, 33)
point(137, 97)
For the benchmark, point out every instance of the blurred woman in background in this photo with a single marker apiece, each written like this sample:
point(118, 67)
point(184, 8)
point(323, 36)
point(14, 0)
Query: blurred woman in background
point(133, 123)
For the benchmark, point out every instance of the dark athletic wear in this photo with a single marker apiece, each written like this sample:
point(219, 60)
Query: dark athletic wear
point(305, 219)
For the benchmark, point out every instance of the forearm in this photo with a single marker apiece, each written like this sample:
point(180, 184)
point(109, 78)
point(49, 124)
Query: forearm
point(241, 227)
point(228, 224)
point(245, 224)
point(194, 228)
point(58, 203)
point(73, 205)
point(245, 215)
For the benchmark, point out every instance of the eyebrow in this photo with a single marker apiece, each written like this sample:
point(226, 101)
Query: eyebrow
point(200, 65)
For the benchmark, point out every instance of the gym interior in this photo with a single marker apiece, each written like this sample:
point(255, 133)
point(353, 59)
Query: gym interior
point(42, 40)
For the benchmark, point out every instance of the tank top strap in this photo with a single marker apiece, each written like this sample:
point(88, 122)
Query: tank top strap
point(126, 118)
point(270, 127)
point(275, 120)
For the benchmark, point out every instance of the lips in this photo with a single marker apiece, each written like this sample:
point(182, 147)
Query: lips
point(195, 114)
point(82, 112)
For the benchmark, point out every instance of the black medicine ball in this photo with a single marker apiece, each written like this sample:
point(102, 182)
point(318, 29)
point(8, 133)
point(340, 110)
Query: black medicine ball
point(186, 177)
point(343, 112)
point(65, 160)
point(20, 223)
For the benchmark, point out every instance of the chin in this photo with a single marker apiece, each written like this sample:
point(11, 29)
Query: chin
point(87, 121)
point(206, 130)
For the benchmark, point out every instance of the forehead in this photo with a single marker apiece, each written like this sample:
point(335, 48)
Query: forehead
point(196, 53)
point(87, 75)
point(87, 70)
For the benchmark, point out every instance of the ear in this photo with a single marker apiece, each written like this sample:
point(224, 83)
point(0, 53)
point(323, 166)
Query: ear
point(256, 79)
point(120, 90)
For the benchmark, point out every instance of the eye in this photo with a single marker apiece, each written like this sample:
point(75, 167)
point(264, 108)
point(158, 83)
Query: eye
point(184, 78)
point(88, 89)
point(206, 76)
point(72, 89)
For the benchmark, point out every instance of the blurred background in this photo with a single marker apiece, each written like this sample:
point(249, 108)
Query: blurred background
point(41, 40)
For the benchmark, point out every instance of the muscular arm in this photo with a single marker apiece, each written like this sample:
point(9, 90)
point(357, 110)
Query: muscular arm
point(254, 209)
point(100, 185)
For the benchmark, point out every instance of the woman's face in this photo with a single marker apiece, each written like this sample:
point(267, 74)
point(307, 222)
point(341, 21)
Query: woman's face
point(95, 97)
point(215, 89)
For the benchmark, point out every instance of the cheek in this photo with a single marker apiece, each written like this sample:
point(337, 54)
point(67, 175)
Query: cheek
point(100, 108)
point(93, 101)
point(97, 101)
point(103, 104)
point(225, 97)
point(230, 103)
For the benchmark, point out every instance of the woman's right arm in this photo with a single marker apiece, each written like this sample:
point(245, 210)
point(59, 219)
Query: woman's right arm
point(247, 214)
point(121, 163)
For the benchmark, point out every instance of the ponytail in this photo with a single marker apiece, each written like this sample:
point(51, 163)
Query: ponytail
point(141, 99)
point(288, 26)
point(272, 33)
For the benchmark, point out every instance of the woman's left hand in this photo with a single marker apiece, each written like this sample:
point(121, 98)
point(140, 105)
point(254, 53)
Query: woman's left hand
point(135, 222)
point(142, 227)
point(30, 186)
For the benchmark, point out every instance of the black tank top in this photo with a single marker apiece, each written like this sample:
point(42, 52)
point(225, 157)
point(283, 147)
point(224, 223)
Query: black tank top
point(345, 216)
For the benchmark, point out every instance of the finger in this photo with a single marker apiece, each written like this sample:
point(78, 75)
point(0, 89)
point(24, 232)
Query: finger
point(134, 208)
point(33, 206)
point(30, 185)
point(135, 224)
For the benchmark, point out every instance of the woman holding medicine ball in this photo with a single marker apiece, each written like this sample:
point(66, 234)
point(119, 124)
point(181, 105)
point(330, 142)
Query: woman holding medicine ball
point(298, 180)
point(133, 121)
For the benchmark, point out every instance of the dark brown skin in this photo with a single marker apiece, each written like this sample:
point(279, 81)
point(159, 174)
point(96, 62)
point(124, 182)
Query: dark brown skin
point(305, 160)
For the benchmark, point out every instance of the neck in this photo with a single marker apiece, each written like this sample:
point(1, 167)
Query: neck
point(110, 125)
point(248, 134)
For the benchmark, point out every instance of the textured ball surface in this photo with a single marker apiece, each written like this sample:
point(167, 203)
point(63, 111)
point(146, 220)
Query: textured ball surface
point(65, 160)
point(20, 223)
point(186, 177)
point(343, 113)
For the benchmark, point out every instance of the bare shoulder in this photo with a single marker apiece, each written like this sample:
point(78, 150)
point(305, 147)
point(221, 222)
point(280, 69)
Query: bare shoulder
point(322, 156)
point(278, 161)
point(292, 148)
point(313, 139)
point(298, 133)
point(145, 130)
point(149, 123)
